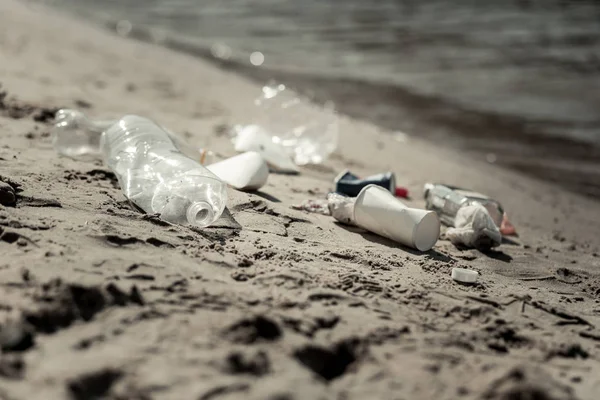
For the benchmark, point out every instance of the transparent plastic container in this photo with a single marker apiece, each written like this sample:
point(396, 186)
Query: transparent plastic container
point(447, 200)
point(308, 132)
point(156, 176)
point(75, 135)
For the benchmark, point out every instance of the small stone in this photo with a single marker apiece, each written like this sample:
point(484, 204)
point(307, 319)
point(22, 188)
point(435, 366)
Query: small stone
point(83, 104)
point(7, 195)
point(16, 336)
point(244, 263)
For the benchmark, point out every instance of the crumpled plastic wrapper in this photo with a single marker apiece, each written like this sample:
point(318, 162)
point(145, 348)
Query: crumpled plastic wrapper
point(337, 205)
point(314, 206)
point(474, 228)
point(341, 208)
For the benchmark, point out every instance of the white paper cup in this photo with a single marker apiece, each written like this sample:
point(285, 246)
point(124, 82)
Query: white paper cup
point(378, 211)
point(247, 171)
point(254, 138)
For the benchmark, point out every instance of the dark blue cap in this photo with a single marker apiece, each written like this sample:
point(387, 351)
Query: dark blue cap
point(349, 184)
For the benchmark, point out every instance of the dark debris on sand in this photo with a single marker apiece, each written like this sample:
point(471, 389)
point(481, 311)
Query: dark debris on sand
point(13, 108)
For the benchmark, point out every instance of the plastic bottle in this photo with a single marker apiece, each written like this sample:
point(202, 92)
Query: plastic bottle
point(150, 163)
point(157, 177)
point(76, 135)
point(447, 200)
point(308, 132)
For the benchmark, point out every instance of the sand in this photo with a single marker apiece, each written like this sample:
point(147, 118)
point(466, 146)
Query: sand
point(101, 301)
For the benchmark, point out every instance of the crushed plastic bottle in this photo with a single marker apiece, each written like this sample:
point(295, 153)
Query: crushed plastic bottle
point(474, 228)
point(153, 172)
point(157, 177)
point(447, 200)
point(309, 133)
point(254, 138)
point(75, 135)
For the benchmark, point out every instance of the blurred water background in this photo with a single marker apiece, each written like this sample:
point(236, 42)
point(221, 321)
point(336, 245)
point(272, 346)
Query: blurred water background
point(514, 82)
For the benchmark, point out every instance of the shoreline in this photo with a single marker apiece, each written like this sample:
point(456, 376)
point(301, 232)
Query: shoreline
point(100, 300)
point(517, 143)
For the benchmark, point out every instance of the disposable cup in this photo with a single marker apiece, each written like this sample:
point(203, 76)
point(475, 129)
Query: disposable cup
point(378, 211)
point(246, 171)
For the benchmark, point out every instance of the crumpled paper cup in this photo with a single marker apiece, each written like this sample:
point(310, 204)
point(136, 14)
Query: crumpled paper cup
point(246, 171)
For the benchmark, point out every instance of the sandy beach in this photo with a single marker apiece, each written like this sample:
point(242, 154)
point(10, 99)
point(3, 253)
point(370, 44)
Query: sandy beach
point(98, 301)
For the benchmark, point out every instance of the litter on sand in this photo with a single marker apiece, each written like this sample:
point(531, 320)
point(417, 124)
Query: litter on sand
point(152, 172)
point(474, 228)
point(447, 200)
point(246, 171)
point(161, 174)
point(206, 157)
point(341, 208)
point(313, 206)
point(307, 133)
point(464, 275)
point(350, 184)
point(377, 210)
point(255, 138)
point(476, 220)
point(76, 135)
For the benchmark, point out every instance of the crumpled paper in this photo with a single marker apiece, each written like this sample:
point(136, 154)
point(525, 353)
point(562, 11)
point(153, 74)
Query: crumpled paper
point(314, 206)
point(341, 208)
point(337, 205)
point(474, 228)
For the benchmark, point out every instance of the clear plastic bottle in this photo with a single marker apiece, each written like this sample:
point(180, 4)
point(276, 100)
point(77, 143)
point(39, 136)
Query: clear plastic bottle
point(308, 132)
point(447, 200)
point(156, 176)
point(75, 135)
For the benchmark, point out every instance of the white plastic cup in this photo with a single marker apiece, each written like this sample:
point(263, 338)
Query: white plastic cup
point(378, 211)
point(246, 171)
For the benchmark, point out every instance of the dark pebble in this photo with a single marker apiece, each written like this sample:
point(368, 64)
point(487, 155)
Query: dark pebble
point(7, 195)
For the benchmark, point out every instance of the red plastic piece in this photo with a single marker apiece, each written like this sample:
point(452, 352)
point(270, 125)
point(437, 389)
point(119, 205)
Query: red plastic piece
point(401, 192)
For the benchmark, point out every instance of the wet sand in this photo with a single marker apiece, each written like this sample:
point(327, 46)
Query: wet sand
point(100, 301)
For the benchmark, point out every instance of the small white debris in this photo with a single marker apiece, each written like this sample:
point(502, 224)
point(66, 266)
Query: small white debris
point(464, 275)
